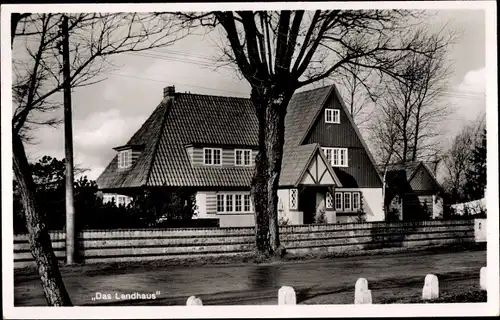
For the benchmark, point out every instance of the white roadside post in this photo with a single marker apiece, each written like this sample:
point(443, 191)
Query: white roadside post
point(194, 301)
point(286, 295)
point(361, 293)
point(483, 279)
point(430, 290)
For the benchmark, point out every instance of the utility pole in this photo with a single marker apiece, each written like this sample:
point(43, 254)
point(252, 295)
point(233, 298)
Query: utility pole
point(68, 144)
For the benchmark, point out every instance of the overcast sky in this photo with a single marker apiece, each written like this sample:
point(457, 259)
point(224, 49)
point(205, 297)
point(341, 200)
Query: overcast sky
point(107, 114)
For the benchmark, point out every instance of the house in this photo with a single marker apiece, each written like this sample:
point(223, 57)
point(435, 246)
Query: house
point(413, 191)
point(207, 144)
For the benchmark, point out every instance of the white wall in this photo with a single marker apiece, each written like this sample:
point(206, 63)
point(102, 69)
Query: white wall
point(236, 220)
point(437, 207)
point(474, 207)
point(201, 205)
point(294, 217)
point(373, 204)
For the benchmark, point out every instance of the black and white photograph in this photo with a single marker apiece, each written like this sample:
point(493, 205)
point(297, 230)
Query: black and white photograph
point(289, 159)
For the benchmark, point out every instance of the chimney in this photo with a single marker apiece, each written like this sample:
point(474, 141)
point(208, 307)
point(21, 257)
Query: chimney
point(169, 91)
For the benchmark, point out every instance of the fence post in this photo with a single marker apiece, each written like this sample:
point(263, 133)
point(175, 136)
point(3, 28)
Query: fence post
point(483, 279)
point(430, 290)
point(361, 293)
point(286, 295)
point(194, 301)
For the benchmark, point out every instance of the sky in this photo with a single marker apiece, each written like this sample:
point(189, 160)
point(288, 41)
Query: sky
point(107, 114)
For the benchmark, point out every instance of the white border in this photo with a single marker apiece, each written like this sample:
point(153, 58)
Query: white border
point(482, 309)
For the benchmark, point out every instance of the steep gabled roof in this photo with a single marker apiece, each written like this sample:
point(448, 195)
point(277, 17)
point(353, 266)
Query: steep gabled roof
point(396, 172)
point(302, 111)
point(209, 120)
point(148, 136)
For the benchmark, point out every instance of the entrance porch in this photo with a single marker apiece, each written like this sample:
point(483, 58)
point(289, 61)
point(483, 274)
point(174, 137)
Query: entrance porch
point(307, 196)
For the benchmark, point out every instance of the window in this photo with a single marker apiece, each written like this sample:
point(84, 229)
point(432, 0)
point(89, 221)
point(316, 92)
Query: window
point(212, 156)
point(328, 154)
point(243, 157)
point(329, 200)
point(332, 115)
point(237, 202)
point(336, 156)
point(220, 203)
point(347, 201)
point(294, 201)
point(108, 198)
point(356, 203)
point(234, 202)
point(119, 200)
point(338, 201)
point(123, 200)
point(246, 203)
point(124, 159)
point(335, 159)
point(229, 202)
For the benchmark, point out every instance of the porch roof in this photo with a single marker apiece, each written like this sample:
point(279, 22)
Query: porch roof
point(297, 161)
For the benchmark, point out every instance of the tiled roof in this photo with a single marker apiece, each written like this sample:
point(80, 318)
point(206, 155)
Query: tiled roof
point(136, 176)
point(294, 162)
point(216, 120)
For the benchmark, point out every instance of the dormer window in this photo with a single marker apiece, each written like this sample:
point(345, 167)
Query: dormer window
point(127, 154)
point(332, 115)
point(243, 157)
point(125, 159)
point(212, 156)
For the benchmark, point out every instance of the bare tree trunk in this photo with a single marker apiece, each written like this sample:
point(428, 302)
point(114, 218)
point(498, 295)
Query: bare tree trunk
point(271, 118)
point(38, 236)
point(68, 144)
point(417, 132)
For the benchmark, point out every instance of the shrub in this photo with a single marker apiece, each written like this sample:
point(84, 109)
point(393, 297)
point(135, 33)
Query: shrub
point(283, 221)
point(320, 217)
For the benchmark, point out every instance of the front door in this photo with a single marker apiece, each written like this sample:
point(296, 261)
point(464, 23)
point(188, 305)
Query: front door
point(307, 204)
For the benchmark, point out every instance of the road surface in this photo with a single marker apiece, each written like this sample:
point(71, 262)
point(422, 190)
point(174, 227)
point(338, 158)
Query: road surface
point(328, 281)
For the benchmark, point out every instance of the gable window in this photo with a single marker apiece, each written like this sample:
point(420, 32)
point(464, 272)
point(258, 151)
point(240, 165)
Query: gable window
point(243, 157)
point(332, 115)
point(336, 156)
point(124, 159)
point(212, 156)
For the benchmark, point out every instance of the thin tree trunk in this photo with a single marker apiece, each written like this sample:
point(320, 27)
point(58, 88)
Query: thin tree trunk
point(38, 236)
point(68, 144)
point(417, 131)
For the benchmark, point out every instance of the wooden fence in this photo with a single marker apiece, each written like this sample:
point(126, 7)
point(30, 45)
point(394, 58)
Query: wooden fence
point(152, 244)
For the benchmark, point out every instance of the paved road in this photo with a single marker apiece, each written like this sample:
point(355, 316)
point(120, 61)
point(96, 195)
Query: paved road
point(259, 284)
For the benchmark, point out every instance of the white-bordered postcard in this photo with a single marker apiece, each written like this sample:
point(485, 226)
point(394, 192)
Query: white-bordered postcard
point(262, 160)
